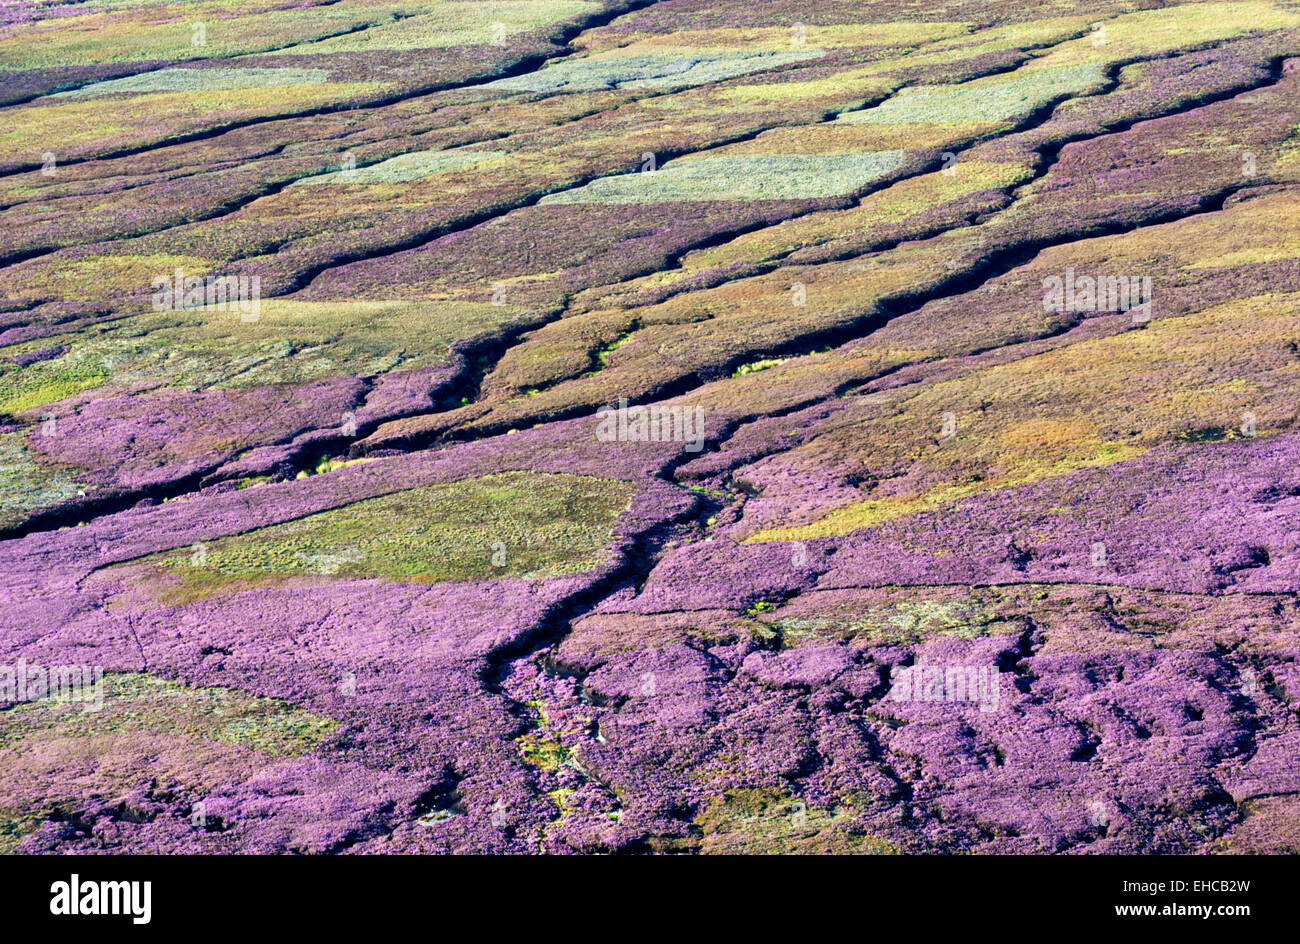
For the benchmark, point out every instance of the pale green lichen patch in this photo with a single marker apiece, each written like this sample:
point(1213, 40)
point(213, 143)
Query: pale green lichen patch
point(900, 622)
point(996, 99)
point(197, 80)
point(404, 168)
point(749, 177)
point(683, 68)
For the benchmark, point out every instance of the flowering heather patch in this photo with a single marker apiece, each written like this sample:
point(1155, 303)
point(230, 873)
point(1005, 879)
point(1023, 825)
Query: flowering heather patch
point(599, 426)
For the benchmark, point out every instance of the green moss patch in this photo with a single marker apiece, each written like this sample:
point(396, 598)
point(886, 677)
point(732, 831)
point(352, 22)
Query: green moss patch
point(761, 821)
point(290, 342)
point(136, 702)
point(56, 756)
point(514, 524)
point(24, 389)
point(26, 486)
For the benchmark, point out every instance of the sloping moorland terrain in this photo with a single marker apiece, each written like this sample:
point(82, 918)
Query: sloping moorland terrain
point(973, 523)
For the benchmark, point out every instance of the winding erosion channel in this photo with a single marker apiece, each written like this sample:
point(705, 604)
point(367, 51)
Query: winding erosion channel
point(679, 426)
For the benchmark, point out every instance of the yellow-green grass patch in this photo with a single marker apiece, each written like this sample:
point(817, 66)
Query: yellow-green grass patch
point(513, 524)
